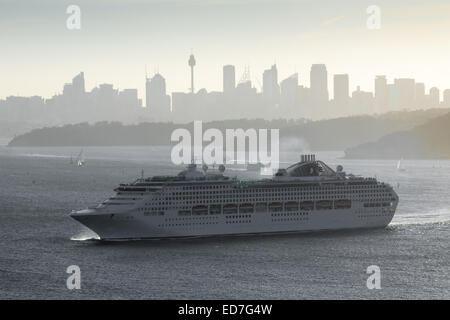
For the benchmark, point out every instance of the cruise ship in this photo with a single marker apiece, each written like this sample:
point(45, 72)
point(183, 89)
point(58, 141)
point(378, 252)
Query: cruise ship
point(307, 196)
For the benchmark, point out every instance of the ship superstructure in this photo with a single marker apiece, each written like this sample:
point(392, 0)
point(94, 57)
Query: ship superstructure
point(307, 196)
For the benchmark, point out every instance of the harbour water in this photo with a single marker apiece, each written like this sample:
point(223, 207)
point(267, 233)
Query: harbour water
point(38, 240)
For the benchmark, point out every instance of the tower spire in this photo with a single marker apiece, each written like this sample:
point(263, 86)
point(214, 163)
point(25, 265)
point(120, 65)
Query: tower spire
point(191, 63)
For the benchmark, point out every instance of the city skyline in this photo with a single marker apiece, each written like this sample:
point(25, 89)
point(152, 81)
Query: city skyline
point(324, 85)
point(239, 99)
point(205, 152)
point(257, 81)
point(110, 47)
point(327, 84)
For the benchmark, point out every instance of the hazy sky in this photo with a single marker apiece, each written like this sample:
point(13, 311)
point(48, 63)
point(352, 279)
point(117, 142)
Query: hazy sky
point(119, 37)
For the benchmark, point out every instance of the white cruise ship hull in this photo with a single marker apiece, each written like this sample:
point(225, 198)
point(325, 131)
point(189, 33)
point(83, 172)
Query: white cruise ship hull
point(124, 226)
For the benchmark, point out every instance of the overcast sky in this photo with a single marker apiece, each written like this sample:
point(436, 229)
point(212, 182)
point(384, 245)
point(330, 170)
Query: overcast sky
point(118, 38)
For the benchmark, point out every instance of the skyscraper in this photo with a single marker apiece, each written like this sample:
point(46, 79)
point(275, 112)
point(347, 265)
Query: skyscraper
point(381, 93)
point(319, 83)
point(75, 90)
point(446, 99)
point(304, 103)
point(289, 93)
point(405, 92)
point(229, 79)
point(341, 89)
point(157, 101)
point(78, 83)
point(392, 96)
point(420, 100)
point(128, 99)
point(434, 97)
point(362, 101)
point(271, 89)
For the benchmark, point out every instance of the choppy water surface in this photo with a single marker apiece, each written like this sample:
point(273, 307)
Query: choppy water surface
point(38, 241)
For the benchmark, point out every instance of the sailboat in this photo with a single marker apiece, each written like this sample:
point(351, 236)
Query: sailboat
point(80, 160)
point(399, 165)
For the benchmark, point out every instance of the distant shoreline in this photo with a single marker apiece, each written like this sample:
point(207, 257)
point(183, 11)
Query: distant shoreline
point(362, 137)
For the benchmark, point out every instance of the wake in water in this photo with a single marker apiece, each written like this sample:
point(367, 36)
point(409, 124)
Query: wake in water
point(436, 216)
point(40, 155)
point(85, 235)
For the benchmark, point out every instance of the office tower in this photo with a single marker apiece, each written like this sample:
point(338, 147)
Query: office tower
point(78, 83)
point(392, 96)
point(319, 83)
point(229, 79)
point(446, 98)
point(106, 92)
point(420, 100)
point(244, 87)
point(341, 89)
point(157, 100)
point(155, 88)
point(289, 92)
point(74, 91)
point(433, 98)
point(271, 89)
point(362, 101)
point(303, 101)
point(128, 99)
point(405, 92)
point(68, 90)
point(381, 93)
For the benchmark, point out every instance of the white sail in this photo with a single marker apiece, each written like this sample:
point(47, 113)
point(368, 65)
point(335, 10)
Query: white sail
point(80, 160)
point(399, 165)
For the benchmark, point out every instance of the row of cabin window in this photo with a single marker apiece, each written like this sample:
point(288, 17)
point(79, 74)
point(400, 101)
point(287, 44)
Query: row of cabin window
point(263, 207)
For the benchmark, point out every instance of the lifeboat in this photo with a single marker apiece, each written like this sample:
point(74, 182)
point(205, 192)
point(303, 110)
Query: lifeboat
point(291, 206)
point(246, 208)
point(342, 204)
point(275, 207)
point(230, 208)
point(215, 209)
point(324, 205)
point(306, 205)
point(261, 207)
point(199, 210)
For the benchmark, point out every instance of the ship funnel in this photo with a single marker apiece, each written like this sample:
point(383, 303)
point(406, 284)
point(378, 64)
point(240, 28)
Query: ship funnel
point(308, 157)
